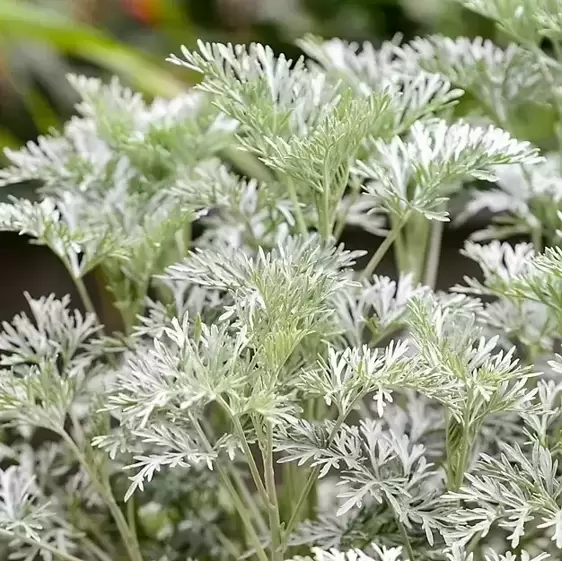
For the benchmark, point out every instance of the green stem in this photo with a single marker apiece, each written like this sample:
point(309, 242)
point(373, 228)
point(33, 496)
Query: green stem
point(536, 238)
point(299, 217)
point(418, 236)
point(342, 218)
point(434, 255)
point(241, 484)
point(241, 508)
point(228, 544)
point(405, 539)
point(457, 453)
point(312, 503)
point(326, 229)
point(88, 304)
point(460, 468)
point(289, 489)
point(249, 164)
point(131, 518)
point(96, 550)
point(247, 496)
point(300, 502)
point(129, 540)
point(248, 453)
point(400, 255)
point(85, 297)
point(92, 529)
point(383, 248)
point(315, 472)
point(243, 513)
point(313, 476)
point(324, 211)
point(38, 543)
point(273, 503)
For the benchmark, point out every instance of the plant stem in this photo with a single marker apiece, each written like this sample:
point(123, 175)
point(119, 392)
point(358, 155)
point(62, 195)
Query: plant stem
point(88, 304)
point(325, 226)
point(241, 484)
point(313, 476)
point(405, 539)
point(418, 235)
point(248, 452)
point(299, 217)
point(38, 543)
point(300, 502)
point(228, 544)
point(342, 218)
point(241, 508)
point(461, 467)
point(289, 489)
point(97, 538)
point(273, 503)
point(433, 258)
point(131, 521)
point(84, 296)
point(457, 449)
point(383, 248)
point(475, 542)
point(400, 256)
point(323, 205)
point(247, 496)
point(536, 238)
point(325, 222)
point(243, 513)
point(129, 539)
point(96, 550)
point(249, 164)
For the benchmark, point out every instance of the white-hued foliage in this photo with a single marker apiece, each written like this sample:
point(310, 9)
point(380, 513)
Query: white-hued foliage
point(269, 393)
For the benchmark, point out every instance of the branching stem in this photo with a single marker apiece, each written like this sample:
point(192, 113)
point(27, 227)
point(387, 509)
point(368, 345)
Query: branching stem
point(247, 452)
point(241, 508)
point(104, 489)
point(240, 484)
point(313, 476)
point(383, 248)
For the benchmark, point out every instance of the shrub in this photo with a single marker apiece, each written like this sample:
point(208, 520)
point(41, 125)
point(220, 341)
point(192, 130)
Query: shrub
point(270, 395)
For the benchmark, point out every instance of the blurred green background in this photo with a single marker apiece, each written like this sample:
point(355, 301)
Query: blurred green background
point(42, 40)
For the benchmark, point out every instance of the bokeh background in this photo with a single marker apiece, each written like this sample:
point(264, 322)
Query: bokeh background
point(43, 40)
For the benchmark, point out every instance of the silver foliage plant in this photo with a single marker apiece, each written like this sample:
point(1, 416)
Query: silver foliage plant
point(269, 394)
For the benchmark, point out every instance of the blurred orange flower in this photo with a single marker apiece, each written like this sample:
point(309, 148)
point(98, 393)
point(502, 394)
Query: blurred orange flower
point(143, 11)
